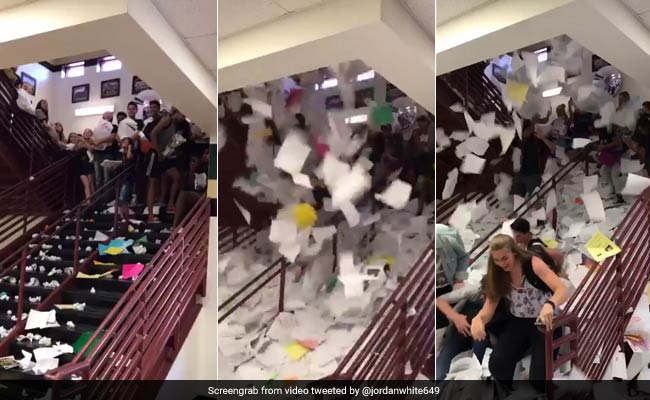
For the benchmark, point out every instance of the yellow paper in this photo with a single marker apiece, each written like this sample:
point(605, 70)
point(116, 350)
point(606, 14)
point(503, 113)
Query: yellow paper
point(305, 215)
point(212, 188)
point(517, 91)
point(113, 251)
point(296, 351)
point(551, 243)
point(600, 247)
point(81, 275)
point(103, 263)
point(64, 306)
point(263, 133)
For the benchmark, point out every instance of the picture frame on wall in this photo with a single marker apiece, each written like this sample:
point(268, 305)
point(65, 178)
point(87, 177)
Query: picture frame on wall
point(30, 81)
point(81, 93)
point(138, 85)
point(110, 88)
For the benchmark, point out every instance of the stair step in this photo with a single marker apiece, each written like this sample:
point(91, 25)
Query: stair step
point(101, 297)
point(17, 347)
point(30, 291)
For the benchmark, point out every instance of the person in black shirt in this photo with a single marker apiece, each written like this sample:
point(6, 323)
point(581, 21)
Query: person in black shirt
point(640, 142)
point(132, 112)
point(194, 186)
point(524, 238)
point(535, 149)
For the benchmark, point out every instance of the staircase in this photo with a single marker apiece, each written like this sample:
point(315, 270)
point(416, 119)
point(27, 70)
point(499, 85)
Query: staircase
point(99, 294)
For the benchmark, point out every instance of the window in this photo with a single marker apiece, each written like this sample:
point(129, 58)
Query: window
point(73, 70)
point(542, 54)
point(109, 63)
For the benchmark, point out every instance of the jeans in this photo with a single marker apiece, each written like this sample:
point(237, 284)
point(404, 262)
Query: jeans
point(454, 344)
point(526, 184)
point(612, 175)
point(519, 336)
point(102, 174)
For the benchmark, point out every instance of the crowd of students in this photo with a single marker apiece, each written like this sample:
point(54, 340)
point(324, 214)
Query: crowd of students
point(395, 153)
point(509, 311)
point(628, 129)
point(164, 156)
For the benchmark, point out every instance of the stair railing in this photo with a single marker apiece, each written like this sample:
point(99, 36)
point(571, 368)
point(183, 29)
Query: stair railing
point(40, 195)
point(551, 184)
point(597, 314)
point(21, 256)
point(158, 308)
point(24, 132)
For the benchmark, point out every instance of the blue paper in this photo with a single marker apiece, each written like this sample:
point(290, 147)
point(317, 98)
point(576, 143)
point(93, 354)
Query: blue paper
point(120, 243)
point(102, 249)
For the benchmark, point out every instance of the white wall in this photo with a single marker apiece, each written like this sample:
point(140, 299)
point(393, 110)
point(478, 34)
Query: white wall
point(62, 108)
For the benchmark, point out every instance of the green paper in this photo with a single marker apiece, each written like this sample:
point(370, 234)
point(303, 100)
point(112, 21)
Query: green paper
point(83, 339)
point(331, 284)
point(142, 240)
point(382, 115)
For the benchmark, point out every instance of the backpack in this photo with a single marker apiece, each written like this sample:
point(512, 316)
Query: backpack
point(537, 249)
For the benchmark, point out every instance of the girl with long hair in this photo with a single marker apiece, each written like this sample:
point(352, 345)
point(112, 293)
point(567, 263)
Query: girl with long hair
point(534, 292)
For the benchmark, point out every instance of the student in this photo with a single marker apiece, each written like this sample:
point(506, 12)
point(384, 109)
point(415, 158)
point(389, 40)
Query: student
point(640, 142)
point(102, 139)
point(195, 185)
point(524, 238)
point(126, 191)
point(452, 262)
point(609, 156)
point(534, 292)
point(535, 149)
point(120, 117)
point(22, 99)
point(132, 112)
point(82, 165)
point(458, 337)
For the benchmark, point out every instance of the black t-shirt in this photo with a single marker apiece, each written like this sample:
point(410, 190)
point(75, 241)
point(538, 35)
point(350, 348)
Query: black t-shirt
point(139, 123)
point(581, 124)
point(147, 129)
point(644, 141)
point(530, 156)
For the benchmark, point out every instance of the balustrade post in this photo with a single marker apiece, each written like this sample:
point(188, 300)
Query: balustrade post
point(335, 253)
point(77, 239)
point(21, 287)
point(117, 207)
point(402, 356)
point(234, 237)
point(283, 277)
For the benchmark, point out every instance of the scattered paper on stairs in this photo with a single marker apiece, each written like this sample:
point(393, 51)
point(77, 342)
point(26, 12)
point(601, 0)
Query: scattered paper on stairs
point(396, 195)
point(635, 185)
point(41, 319)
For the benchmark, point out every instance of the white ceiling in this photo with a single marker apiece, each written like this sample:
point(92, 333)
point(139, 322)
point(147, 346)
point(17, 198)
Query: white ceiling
point(195, 22)
point(641, 8)
point(424, 12)
point(238, 15)
point(5, 4)
point(448, 9)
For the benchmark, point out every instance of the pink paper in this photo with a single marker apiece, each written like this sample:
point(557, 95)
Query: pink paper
point(322, 149)
point(131, 270)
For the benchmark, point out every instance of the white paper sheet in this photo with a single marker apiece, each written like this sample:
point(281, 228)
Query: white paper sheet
point(551, 201)
point(260, 107)
point(574, 229)
point(457, 108)
point(441, 139)
point(594, 205)
point(539, 215)
point(460, 136)
point(579, 143)
point(397, 195)
point(461, 217)
point(244, 212)
point(635, 185)
point(289, 250)
point(44, 353)
point(41, 319)
point(517, 201)
point(43, 366)
point(322, 233)
point(100, 237)
point(506, 137)
point(472, 164)
point(477, 145)
point(506, 229)
point(450, 184)
point(292, 154)
point(589, 183)
point(350, 213)
point(283, 231)
point(302, 180)
point(630, 166)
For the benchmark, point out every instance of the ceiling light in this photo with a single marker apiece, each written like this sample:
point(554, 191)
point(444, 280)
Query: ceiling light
point(357, 119)
point(552, 92)
point(366, 75)
point(86, 111)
